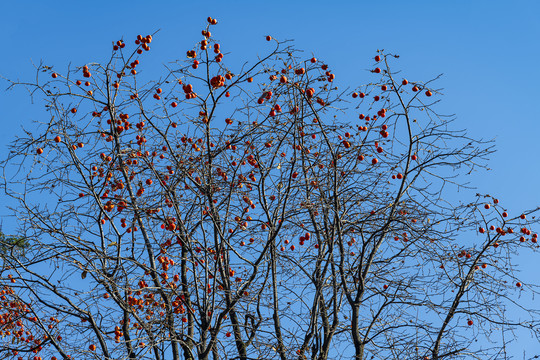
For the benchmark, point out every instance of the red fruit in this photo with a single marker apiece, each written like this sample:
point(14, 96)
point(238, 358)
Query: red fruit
point(92, 347)
point(522, 216)
point(39, 151)
point(313, 60)
point(268, 38)
point(374, 161)
point(404, 82)
point(355, 95)
point(470, 322)
point(505, 214)
point(54, 75)
point(228, 334)
point(73, 110)
point(174, 104)
point(57, 139)
point(414, 157)
point(487, 206)
point(518, 284)
point(414, 88)
point(377, 70)
point(377, 58)
point(385, 287)
point(428, 93)
point(482, 230)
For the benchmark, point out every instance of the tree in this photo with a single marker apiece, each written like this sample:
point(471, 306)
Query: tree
point(11, 245)
point(256, 213)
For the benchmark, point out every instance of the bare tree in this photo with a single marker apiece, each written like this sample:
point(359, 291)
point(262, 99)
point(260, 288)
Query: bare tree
point(254, 213)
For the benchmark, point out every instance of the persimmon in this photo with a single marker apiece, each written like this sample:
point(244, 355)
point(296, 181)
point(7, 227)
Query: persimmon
point(210, 162)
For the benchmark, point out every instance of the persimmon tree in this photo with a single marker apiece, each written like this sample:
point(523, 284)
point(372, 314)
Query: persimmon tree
point(254, 211)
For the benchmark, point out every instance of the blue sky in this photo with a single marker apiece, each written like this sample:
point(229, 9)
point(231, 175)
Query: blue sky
point(488, 51)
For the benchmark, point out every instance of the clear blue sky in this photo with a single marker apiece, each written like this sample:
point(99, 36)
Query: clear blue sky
point(489, 52)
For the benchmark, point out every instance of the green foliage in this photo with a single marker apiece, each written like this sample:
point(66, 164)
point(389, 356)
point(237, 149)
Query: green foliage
point(10, 244)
